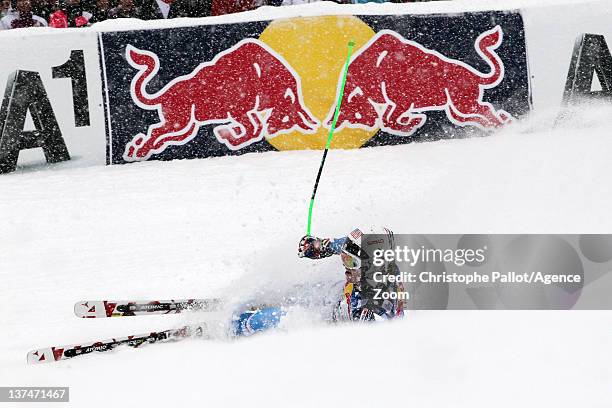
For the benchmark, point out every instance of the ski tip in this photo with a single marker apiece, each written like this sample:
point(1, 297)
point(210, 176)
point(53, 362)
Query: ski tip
point(40, 356)
point(89, 309)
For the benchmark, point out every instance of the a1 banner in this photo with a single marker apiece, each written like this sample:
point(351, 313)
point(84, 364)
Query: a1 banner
point(51, 101)
point(213, 90)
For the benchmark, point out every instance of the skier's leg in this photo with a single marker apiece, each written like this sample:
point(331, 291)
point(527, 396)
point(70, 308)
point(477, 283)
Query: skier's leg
point(253, 321)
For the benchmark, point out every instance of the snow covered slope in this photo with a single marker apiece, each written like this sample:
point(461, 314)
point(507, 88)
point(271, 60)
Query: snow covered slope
point(230, 226)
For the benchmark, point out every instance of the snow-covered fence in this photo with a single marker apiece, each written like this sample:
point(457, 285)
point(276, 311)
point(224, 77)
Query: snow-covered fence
point(125, 91)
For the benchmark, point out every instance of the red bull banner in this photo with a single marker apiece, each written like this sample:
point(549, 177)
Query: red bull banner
point(215, 90)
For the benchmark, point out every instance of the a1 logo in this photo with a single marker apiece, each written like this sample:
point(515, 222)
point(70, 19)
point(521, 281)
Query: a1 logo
point(25, 92)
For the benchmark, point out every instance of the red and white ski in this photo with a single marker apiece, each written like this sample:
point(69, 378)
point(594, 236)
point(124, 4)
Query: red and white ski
point(57, 353)
point(122, 308)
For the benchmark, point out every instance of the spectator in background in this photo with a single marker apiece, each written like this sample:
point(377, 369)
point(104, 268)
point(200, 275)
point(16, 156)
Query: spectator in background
point(125, 9)
point(44, 8)
point(21, 17)
point(70, 14)
point(220, 7)
point(259, 3)
point(159, 9)
point(100, 11)
point(5, 8)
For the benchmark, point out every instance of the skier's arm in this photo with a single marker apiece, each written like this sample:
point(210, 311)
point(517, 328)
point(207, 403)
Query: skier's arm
point(317, 248)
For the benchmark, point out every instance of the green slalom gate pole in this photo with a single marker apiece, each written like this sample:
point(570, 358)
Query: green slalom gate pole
point(351, 44)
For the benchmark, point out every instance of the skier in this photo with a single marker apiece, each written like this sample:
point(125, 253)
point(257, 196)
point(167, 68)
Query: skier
point(357, 300)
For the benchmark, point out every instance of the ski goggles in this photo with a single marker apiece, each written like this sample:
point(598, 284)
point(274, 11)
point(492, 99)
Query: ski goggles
point(350, 261)
point(351, 255)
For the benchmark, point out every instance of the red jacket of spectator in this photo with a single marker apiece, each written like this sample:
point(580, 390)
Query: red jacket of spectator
point(59, 19)
point(220, 7)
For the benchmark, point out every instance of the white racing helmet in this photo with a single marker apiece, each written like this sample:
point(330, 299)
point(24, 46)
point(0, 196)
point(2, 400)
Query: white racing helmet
point(359, 247)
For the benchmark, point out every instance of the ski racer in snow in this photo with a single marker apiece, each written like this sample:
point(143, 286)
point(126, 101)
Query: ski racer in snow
point(358, 300)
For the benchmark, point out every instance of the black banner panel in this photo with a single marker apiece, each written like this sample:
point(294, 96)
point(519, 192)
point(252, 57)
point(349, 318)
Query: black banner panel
point(216, 90)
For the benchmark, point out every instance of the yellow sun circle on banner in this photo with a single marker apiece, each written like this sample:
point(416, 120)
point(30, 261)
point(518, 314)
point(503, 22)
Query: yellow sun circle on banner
point(316, 48)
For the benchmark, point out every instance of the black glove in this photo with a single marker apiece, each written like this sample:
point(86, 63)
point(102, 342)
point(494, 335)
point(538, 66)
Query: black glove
point(314, 248)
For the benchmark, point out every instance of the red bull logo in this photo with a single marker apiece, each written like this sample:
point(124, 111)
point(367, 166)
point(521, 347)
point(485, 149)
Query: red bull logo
point(248, 91)
point(392, 83)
